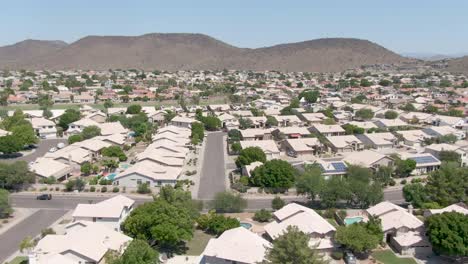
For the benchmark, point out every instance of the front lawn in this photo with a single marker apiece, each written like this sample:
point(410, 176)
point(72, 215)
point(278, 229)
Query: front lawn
point(198, 243)
point(388, 257)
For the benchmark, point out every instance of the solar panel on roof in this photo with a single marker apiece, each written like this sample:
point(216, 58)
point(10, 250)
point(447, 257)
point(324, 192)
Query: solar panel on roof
point(424, 159)
point(339, 166)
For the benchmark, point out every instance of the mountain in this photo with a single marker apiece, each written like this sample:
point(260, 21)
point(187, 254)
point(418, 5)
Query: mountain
point(433, 56)
point(27, 50)
point(198, 51)
point(458, 65)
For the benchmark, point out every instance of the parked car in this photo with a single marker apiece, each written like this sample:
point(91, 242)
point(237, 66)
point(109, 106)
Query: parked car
point(350, 258)
point(53, 149)
point(60, 145)
point(45, 196)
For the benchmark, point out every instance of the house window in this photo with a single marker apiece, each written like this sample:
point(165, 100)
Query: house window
point(138, 181)
point(159, 183)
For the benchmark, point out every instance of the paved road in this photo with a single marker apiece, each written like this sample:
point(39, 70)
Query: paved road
point(30, 226)
point(42, 147)
point(213, 173)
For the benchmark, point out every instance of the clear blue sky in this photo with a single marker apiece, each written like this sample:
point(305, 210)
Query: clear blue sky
point(403, 26)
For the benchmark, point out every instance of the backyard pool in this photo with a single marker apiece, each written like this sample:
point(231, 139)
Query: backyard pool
point(246, 225)
point(352, 220)
point(111, 176)
point(124, 166)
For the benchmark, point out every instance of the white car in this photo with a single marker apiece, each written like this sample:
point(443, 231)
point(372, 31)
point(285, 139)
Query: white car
point(53, 149)
point(60, 145)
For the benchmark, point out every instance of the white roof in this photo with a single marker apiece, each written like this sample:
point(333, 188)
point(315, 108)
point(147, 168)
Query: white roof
point(303, 144)
point(394, 216)
point(364, 158)
point(343, 141)
point(365, 124)
point(40, 122)
point(314, 117)
point(290, 118)
point(444, 130)
point(392, 122)
point(151, 170)
point(110, 208)
point(92, 144)
point(451, 208)
point(416, 135)
point(268, 146)
point(48, 167)
point(112, 128)
point(306, 219)
point(254, 132)
point(182, 119)
point(92, 241)
point(385, 138)
point(85, 122)
point(73, 152)
point(118, 139)
point(328, 128)
point(238, 244)
point(293, 130)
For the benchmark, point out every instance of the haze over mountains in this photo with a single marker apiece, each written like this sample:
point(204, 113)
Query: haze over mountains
point(193, 51)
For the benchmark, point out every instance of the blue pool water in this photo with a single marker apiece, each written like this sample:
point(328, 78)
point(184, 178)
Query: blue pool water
point(124, 165)
point(111, 176)
point(246, 225)
point(352, 220)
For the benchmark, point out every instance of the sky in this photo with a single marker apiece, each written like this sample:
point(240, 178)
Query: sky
point(419, 26)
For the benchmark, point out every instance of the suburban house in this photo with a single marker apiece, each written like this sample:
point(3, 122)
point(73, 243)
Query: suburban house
point(390, 123)
point(302, 146)
point(97, 116)
point(413, 138)
point(436, 149)
point(346, 143)
point(401, 228)
point(247, 169)
point(321, 232)
point(45, 168)
point(425, 162)
point(385, 140)
point(256, 134)
point(157, 117)
point(439, 131)
point(237, 245)
point(366, 125)
point(149, 172)
point(181, 121)
point(291, 132)
point(72, 155)
point(314, 118)
point(287, 120)
point(111, 212)
point(459, 208)
point(268, 146)
point(328, 130)
point(257, 121)
point(332, 168)
point(368, 159)
point(88, 243)
point(44, 128)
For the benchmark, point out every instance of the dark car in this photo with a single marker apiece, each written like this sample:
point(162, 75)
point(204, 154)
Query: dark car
point(44, 196)
point(350, 258)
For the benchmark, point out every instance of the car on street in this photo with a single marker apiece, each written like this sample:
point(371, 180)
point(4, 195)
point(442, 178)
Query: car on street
point(60, 145)
point(44, 196)
point(53, 149)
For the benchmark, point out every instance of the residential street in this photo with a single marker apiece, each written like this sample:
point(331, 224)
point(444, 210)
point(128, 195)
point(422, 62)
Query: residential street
point(213, 174)
point(42, 147)
point(30, 226)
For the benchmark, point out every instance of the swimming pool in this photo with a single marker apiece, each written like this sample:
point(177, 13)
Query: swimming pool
point(111, 176)
point(246, 225)
point(124, 165)
point(352, 220)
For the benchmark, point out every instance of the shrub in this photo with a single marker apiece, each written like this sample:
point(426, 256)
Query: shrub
point(226, 202)
point(104, 189)
point(262, 216)
point(329, 213)
point(392, 182)
point(342, 214)
point(143, 188)
point(57, 189)
point(337, 255)
point(403, 182)
point(115, 189)
point(92, 189)
point(244, 180)
point(240, 187)
point(277, 203)
point(216, 223)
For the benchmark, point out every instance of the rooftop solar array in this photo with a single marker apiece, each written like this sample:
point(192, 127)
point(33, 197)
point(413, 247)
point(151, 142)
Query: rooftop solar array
point(337, 167)
point(424, 159)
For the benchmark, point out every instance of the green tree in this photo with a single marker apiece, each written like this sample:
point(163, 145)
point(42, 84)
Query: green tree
point(226, 202)
point(198, 131)
point(448, 185)
point(292, 247)
point(262, 216)
point(245, 123)
point(235, 135)
point(249, 155)
point(333, 190)
point(390, 114)
point(9, 144)
point(276, 174)
point(13, 175)
point(211, 123)
point(362, 192)
point(449, 156)
point(75, 138)
point(383, 174)
point(86, 168)
point(216, 224)
point(310, 182)
point(403, 168)
point(137, 252)
point(27, 244)
point(366, 83)
point(108, 104)
point(448, 234)
point(310, 96)
point(356, 238)
point(45, 101)
point(24, 134)
point(277, 203)
point(236, 147)
point(415, 193)
point(134, 109)
point(5, 207)
point(70, 116)
point(408, 107)
point(271, 121)
point(352, 129)
point(160, 223)
point(364, 113)
point(90, 132)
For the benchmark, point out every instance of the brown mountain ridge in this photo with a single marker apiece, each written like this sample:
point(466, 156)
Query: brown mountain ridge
point(176, 51)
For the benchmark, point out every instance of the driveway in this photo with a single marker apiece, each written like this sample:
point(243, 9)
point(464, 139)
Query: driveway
point(30, 226)
point(42, 147)
point(213, 173)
